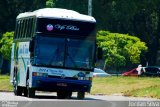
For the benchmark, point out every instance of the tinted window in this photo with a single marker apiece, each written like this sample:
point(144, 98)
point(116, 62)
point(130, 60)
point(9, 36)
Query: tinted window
point(50, 51)
point(62, 52)
point(79, 54)
point(20, 29)
point(30, 27)
point(152, 70)
point(67, 27)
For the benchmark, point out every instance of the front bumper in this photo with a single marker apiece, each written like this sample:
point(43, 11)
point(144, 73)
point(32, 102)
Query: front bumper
point(57, 84)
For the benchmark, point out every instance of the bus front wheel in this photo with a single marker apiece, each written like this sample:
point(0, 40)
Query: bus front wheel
point(81, 95)
point(64, 94)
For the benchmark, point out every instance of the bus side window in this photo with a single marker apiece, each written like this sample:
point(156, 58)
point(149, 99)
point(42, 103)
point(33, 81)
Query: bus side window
point(27, 27)
point(20, 29)
point(30, 28)
point(23, 28)
point(33, 26)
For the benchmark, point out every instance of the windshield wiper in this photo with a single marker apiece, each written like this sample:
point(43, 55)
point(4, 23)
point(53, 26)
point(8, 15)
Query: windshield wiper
point(52, 58)
point(71, 58)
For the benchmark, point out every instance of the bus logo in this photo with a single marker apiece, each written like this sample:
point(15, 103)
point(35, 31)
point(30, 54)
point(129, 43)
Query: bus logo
point(49, 27)
point(63, 76)
point(66, 27)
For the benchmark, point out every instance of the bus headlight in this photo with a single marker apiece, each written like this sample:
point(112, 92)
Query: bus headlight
point(82, 76)
point(40, 74)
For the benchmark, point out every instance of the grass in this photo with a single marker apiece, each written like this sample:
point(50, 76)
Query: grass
point(153, 91)
point(4, 83)
point(127, 86)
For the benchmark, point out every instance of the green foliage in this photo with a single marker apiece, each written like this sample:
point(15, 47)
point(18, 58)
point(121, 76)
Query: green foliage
point(136, 17)
point(11, 8)
point(120, 49)
point(5, 83)
point(50, 3)
point(77, 5)
point(6, 44)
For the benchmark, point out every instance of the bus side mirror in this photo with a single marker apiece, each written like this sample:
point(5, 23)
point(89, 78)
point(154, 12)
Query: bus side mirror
point(31, 45)
point(99, 53)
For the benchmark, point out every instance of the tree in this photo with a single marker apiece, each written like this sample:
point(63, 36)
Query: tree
point(120, 49)
point(6, 45)
point(11, 8)
point(136, 17)
point(50, 3)
point(80, 6)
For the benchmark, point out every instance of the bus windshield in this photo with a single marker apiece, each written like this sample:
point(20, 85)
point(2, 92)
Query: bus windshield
point(64, 52)
point(49, 51)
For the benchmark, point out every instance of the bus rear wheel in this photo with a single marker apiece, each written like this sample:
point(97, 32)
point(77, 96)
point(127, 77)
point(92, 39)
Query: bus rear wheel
point(31, 91)
point(17, 89)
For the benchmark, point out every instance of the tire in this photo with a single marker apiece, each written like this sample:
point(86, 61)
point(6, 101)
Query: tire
point(64, 95)
point(68, 95)
point(60, 95)
point(81, 95)
point(25, 91)
point(17, 89)
point(30, 91)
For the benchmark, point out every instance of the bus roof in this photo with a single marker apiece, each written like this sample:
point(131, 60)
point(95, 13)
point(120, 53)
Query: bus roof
point(57, 13)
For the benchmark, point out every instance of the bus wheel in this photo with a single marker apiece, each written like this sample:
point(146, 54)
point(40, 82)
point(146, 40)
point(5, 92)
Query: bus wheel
point(17, 89)
point(68, 95)
point(64, 94)
point(81, 95)
point(25, 92)
point(60, 95)
point(31, 91)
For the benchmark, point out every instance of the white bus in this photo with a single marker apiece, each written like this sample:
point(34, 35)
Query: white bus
point(53, 50)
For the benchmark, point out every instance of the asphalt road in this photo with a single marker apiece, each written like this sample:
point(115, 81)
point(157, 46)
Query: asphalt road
point(8, 99)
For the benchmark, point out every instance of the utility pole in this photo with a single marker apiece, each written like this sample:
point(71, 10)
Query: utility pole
point(90, 7)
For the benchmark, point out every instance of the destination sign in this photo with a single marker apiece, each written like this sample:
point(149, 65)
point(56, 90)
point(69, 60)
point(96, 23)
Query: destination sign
point(50, 27)
point(67, 27)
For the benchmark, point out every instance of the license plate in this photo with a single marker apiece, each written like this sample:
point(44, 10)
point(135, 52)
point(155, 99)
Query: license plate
point(62, 84)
